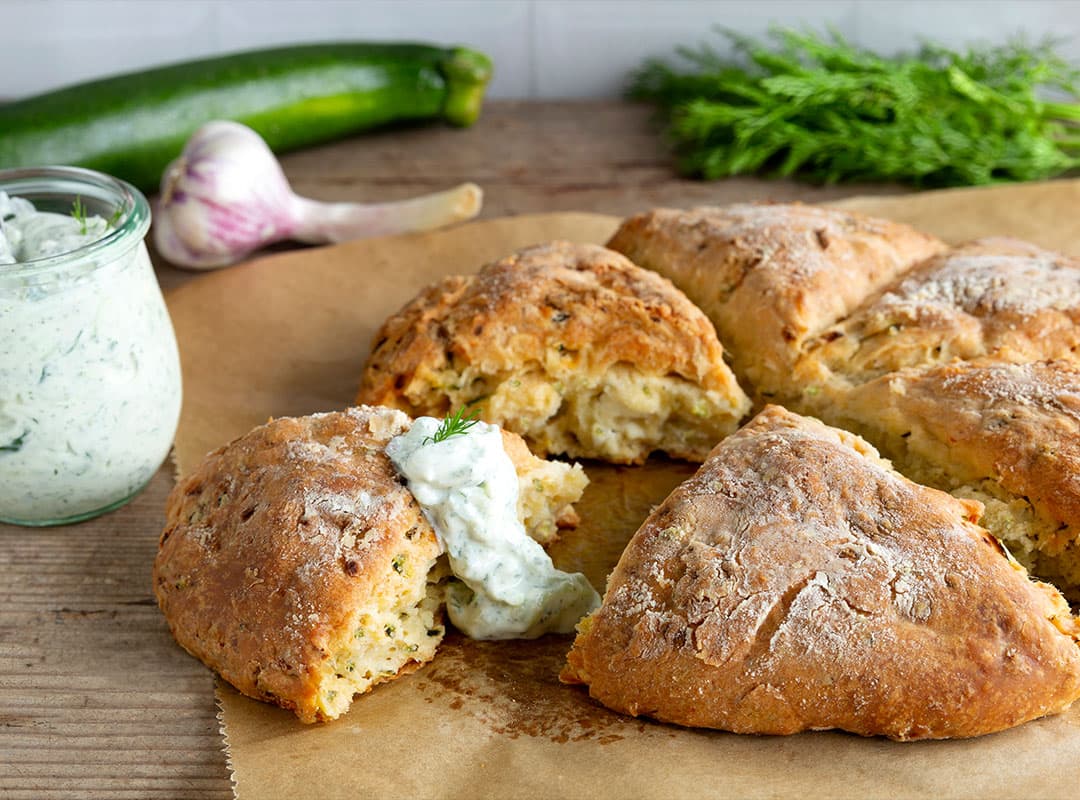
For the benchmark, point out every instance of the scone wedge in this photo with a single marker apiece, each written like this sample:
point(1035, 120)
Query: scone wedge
point(1005, 434)
point(295, 562)
point(797, 582)
point(999, 299)
point(569, 345)
point(772, 276)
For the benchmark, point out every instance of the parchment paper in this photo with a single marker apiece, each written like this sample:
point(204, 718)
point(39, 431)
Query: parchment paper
point(289, 335)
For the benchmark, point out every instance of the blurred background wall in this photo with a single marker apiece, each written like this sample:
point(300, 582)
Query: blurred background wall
point(542, 48)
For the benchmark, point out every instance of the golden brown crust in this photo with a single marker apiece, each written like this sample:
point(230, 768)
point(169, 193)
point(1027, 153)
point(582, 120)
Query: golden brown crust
point(295, 562)
point(1010, 429)
point(796, 582)
point(278, 541)
point(547, 322)
point(771, 276)
point(837, 310)
point(999, 298)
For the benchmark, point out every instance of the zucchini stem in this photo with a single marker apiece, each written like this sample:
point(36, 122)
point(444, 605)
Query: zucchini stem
point(467, 73)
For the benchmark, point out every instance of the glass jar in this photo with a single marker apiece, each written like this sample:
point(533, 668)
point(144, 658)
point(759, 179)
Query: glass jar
point(89, 370)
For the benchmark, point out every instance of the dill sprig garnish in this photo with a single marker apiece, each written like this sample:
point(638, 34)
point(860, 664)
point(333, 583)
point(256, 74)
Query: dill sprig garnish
point(78, 212)
point(820, 108)
point(454, 425)
point(116, 215)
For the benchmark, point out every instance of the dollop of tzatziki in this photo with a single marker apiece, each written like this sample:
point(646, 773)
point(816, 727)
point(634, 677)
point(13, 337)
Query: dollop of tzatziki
point(27, 234)
point(468, 490)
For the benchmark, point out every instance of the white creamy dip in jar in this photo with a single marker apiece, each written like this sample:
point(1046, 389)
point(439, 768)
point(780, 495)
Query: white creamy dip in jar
point(89, 369)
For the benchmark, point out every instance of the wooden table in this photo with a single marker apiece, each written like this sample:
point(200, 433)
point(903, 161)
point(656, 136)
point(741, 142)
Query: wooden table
point(95, 698)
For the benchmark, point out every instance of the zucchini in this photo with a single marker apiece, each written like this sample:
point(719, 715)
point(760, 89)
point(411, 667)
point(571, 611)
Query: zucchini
point(133, 125)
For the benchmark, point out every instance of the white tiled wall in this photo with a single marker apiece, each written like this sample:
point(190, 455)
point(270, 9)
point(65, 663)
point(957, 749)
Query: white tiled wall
point(541, 48)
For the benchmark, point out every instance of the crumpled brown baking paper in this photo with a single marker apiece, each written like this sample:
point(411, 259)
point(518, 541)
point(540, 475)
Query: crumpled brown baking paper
point(289, 334)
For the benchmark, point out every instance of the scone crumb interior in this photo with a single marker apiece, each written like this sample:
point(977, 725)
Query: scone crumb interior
point(398, 635)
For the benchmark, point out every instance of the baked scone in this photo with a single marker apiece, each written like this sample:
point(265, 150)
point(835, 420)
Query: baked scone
point(1007, 435)
point(999, 298)
point(770, 277)
point(547, 490)
point(797, 582)
point(296, 563)
point(569, 345)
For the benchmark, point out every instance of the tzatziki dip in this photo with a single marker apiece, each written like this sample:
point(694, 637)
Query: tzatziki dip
point(89, 370)
point(467, 487)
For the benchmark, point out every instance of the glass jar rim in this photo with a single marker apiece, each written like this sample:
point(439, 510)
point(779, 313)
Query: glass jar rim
point(132, 224)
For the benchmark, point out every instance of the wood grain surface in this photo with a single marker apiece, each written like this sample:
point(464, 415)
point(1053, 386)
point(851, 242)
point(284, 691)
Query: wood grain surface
point(96, 700)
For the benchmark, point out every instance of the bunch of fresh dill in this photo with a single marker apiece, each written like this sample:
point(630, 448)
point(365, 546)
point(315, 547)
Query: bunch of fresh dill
point(820, 108)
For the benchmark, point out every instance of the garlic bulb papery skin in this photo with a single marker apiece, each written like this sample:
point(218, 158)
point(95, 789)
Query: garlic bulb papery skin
point(223, 198)
point(226, 196)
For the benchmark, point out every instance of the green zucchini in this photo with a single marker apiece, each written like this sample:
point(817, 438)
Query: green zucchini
point(133, 125)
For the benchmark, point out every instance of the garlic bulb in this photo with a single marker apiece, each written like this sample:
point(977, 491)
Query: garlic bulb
point(227, 196)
